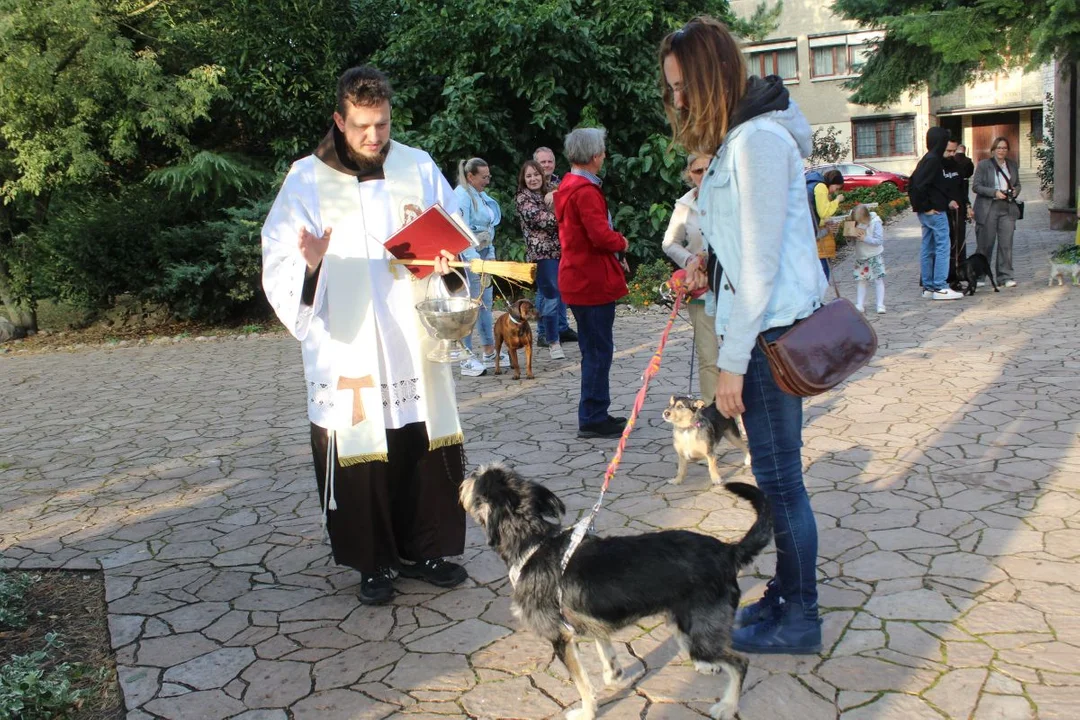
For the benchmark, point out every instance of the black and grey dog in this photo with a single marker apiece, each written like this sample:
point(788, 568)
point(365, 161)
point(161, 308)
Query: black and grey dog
point(612, 582)
point(697, 429)
point(970, 270)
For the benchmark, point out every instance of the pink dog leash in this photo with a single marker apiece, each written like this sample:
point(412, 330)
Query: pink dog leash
point(678, 289)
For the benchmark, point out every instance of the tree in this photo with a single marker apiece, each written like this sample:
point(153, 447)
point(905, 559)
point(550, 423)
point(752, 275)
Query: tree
point(85, 100)
point(942, 46)
point(497, 78)
point(827, 148)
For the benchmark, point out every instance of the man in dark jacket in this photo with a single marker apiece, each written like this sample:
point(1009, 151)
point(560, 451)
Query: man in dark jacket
point(957, 169)
point(929, 194)
point(591, 275)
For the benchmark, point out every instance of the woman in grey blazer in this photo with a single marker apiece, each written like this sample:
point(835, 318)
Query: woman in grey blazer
point(995, 211)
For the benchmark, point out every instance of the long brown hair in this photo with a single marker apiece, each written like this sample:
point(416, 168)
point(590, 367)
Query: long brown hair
point(544, 187)
point(714, 81)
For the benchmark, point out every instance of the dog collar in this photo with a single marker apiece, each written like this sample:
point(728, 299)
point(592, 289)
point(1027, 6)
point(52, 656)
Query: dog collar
point(516, 322)
point(516, 568)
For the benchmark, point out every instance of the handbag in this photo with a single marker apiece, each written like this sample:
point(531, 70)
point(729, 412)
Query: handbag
point(1019, 203)
point(820, 351)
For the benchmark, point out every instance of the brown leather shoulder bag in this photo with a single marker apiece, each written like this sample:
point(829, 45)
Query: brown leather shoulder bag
point(821, 351)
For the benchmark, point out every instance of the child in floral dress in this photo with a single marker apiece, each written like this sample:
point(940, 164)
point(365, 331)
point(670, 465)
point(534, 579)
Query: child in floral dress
point(869, 263)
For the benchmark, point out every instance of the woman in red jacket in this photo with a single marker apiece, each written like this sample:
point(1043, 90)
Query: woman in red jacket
point(591, 275)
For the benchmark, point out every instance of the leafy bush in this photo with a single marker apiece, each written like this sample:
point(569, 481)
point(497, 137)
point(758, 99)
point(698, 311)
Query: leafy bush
point(1067, 253)
point(644, 287)
point(212, 270)
point(13, 587)
point(29, 690)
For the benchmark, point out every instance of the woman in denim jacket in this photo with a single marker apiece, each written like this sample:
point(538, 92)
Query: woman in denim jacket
point(765, 276)
point(481, 214)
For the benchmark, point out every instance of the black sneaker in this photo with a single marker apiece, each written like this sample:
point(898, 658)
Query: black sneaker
point(542, 342)
point(616, 418)
point(437, 572)
point(568, 335)
point(609, 428)
point(377, 588)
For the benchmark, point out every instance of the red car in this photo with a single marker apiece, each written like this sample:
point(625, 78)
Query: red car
point(859, 175)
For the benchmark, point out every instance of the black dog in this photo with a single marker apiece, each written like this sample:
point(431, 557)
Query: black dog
point(970, 270)
point(610, 583)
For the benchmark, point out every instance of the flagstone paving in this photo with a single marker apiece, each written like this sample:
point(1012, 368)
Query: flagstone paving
point(945, 477)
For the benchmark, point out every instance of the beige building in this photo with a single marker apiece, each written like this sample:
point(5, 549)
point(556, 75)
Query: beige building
point(815, 52)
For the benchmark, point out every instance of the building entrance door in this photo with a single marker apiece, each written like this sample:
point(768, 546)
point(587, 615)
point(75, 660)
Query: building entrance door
point(984, 128)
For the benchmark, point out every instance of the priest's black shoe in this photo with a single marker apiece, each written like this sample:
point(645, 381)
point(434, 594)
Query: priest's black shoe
point(607, 428)
point(376, 588)
point(568, 335)
point(437, 572)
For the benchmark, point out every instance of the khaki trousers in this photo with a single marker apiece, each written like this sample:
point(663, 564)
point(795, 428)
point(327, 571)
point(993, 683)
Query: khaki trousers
point(707, 347)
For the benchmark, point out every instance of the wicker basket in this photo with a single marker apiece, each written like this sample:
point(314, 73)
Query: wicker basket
point(826, 247)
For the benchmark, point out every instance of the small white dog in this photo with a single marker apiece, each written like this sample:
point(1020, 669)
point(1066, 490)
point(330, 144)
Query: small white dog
point(1059, 270)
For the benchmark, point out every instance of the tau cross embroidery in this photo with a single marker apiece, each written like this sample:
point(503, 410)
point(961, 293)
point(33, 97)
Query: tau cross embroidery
point(355, 384)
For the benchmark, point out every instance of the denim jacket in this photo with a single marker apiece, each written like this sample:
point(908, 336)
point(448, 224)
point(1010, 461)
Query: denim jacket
point(757, 221)
point(480, 211)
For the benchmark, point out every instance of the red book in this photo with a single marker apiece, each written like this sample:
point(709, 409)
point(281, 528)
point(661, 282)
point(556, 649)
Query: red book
point(422, 239)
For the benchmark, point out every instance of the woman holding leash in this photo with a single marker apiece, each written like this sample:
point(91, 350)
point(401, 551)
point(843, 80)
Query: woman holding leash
point(764, 271)
point(684, 243)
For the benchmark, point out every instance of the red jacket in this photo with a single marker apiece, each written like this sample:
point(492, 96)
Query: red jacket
point(589, 273)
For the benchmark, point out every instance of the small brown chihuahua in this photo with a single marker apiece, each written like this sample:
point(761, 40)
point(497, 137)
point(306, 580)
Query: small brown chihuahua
point(513, 329)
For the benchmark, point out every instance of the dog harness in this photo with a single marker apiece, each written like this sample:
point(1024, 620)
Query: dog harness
point(516, 568)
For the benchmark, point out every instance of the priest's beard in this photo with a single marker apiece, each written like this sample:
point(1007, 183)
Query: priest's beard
point(368, 164)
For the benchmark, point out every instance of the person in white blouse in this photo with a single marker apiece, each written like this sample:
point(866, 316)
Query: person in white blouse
point(684, 243)
point(997, 184)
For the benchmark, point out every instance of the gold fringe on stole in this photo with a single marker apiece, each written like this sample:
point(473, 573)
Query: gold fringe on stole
point(351, 460)
point(446, 441)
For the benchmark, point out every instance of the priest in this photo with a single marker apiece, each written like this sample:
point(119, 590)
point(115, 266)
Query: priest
point(385, 435)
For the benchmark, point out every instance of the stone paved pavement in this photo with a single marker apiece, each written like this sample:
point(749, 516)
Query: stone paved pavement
point(946, 480)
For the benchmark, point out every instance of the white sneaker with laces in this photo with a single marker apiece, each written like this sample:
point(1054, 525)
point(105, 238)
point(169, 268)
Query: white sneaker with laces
point(880, 309)
point(860, 308)
point(472, 367)
point(947, 294)
point(556, 352)
point(1009, 284)
point(504, 359)
point(928, 294)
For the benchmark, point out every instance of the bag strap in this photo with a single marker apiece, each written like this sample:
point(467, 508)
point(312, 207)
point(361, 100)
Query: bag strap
point(1008, 183)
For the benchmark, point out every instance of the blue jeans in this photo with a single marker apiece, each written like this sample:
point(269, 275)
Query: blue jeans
point(773, 422)
point(595, 324)
point(560, 312)
point(935, 250)
point(483, 323)
point(548, 301)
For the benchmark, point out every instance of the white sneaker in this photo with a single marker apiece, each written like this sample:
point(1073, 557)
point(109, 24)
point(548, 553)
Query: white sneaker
point(472, 367)
point(880, 309)
point(504, 359)
point(928, 294)
point(556, 352)
point(947, 294)
point(860, 308)
point(1009, 283)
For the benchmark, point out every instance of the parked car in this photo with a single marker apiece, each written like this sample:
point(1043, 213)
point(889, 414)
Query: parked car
point(859, 175)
